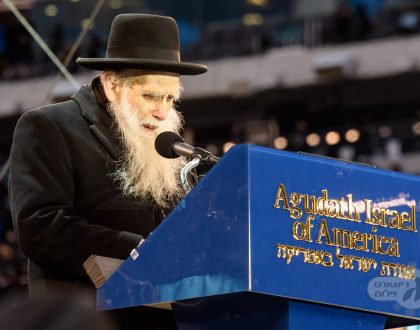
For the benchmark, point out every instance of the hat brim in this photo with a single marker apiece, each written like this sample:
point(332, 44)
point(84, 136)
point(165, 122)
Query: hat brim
point(101, 64)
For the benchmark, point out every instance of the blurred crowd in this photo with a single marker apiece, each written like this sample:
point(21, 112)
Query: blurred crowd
point(20, 57)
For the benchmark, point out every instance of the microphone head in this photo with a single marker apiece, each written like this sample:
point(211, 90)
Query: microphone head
point(164, 144)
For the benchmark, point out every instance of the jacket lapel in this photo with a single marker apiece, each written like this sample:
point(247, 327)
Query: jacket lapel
point(99, 119)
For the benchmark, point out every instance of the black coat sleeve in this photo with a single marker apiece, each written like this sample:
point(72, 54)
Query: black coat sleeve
point(42, 201)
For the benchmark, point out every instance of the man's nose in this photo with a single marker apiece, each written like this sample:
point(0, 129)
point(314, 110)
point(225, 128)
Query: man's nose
point(161, 110)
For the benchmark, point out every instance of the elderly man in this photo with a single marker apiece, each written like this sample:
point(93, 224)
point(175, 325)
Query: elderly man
point(85, 177)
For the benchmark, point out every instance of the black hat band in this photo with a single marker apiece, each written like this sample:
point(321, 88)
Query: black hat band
point(143, 52)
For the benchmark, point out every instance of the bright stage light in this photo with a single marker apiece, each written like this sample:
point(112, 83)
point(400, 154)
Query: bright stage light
point(280, 142)
point(258, 3)
point(227, 146)
point(352, 135)
point(313, 140)
point(332, 138)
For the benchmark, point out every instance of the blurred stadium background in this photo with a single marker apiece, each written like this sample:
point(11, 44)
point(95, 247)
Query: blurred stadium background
point(331, 77)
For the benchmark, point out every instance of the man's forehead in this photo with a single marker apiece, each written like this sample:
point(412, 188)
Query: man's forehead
point(159, 83)
point(161, 79)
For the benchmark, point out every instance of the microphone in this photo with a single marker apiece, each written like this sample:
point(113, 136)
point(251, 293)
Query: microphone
point(171, 145)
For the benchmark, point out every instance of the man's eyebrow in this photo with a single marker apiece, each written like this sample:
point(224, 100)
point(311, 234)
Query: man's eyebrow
point(175, 95)
point(152, 93)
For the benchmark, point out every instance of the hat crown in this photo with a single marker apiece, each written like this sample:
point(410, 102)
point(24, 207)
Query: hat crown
point(143, 36)
point(142, 41)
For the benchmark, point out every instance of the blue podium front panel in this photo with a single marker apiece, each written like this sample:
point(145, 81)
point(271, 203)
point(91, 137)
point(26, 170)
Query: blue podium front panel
point(286, 225)
point(334, 232)
point(200, 250)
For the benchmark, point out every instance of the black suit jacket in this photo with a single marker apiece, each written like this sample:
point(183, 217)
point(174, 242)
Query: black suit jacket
point(65, 205)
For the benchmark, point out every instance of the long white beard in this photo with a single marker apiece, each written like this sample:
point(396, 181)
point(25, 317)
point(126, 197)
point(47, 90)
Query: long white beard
point(142, 172)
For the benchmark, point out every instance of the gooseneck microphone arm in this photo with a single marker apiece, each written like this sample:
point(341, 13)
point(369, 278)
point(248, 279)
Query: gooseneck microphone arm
point(183, 175)
point(184, 149)
point(171, 145)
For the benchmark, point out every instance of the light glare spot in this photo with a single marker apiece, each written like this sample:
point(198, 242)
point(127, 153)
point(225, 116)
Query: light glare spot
point(51, 10)
point(352, 135)
point(115, 4)
point(252, 19)
point(332, 138)
point(227, 146)
point(86, 24)
point(280, 142)
point(259, 3)
point(313, 140)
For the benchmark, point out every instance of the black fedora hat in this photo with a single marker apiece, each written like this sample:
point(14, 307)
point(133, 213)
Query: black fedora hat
point(140, 41)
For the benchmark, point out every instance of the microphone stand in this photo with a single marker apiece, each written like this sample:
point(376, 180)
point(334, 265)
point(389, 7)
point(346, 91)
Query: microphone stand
point(186, 170)
point(199, 155)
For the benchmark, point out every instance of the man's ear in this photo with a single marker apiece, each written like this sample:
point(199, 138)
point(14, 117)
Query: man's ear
point(111, 89)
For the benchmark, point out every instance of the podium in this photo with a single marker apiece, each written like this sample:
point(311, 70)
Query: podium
point(277, 240)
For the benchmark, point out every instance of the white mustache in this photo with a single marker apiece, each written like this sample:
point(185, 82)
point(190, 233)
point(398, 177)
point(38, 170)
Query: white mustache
point(150, 123)
point(161, 125)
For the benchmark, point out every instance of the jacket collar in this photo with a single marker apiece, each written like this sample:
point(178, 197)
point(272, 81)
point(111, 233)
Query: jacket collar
point(100, 121)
